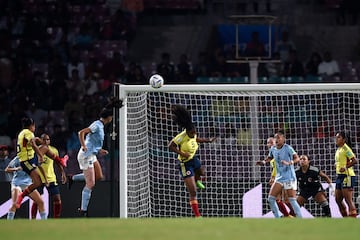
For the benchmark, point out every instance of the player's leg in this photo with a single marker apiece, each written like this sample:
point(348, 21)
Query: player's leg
point(199, 172)
point(321, 198)
point(87, 165)
point(287, 203)
point(348, 196)
point(54, 192)
point(98, 171)
point(275, 190)
point(290, 188)
point(281, 205)
point(36, 197)
point(191, 187)
point(188, 173)
point(339, 197)
point(15, 192)
point(32, 170)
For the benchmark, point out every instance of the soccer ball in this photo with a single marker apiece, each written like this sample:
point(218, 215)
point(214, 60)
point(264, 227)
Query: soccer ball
point(156, 81)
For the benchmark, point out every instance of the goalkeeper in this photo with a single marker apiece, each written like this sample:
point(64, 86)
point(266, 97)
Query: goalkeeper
point(185, 144)
point(310, 187)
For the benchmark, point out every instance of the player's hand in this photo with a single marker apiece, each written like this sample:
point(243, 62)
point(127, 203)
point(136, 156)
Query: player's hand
point(63, 178)
point(332, 190)
point(342, 169)
point(271, 181)
point(84, 149)
point(185, 154)
point(103, 152)
point(40, 159)
point(287, 163)
point(260, 163)
point(212, 139)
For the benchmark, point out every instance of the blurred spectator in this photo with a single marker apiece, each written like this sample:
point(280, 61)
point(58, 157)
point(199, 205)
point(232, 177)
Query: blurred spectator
point(183, 70)
point(202, 67)
point(4, 138)
point(4, 113)
point(133, 8)
point(76, 63)
point(166, 68)
point(293, 66)
point(17, 112)
point(312, 66)
point(75, 84)
point(58, 138)
point(114, 66)
point(74, 109)
point(219, 67)
point(4, 162)
point(329, 66)
point(255, 47)
point(284, 46)
point(91, 84)
point(37, 114)
point(135, 75)
point(275, 69)
point(84, 39)
point(57, 71)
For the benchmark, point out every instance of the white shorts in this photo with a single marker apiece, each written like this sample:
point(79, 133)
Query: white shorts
point(86, 162)
point(290, 185)
point(20, 188)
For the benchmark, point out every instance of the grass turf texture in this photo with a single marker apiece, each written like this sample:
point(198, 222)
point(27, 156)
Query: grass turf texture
point(181, 228)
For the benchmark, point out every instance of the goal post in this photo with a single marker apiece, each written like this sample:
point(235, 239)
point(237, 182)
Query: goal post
point(242, 116)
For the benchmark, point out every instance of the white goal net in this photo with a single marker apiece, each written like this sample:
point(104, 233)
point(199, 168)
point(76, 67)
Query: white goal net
point(242, 117)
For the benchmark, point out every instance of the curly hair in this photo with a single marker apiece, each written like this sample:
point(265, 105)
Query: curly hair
point(182, 117)
point(113, 102)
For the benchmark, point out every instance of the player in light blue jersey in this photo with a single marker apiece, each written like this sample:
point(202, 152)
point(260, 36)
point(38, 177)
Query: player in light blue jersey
point(19, 182)
point(91, 140)
point(285, 158)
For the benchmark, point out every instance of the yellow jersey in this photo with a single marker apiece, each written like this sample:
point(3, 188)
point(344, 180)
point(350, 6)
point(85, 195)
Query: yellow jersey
point(342, 156)
point(24, 149)
point(48, 165)
point(186, 144)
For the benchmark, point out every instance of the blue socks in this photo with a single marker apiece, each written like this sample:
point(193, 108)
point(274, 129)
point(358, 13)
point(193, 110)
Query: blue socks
point(10, 215)
point(85, 198)
point(43, 215)
point(78, 177)
point(295, 206)
point(274, 207)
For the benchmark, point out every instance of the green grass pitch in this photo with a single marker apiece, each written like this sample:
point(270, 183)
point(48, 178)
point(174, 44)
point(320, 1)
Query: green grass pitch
point(181, 229)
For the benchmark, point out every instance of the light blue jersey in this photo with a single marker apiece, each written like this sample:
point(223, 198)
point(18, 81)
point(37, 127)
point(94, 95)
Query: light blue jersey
point(20, 178)
point(283, 173)
point(94, 140)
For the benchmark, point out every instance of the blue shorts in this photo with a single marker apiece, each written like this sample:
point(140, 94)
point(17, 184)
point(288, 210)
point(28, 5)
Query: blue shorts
point(188, 169)
point(345, 181)
point(53, 189)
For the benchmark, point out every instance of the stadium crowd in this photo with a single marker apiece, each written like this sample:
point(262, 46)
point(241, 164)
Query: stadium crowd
point(58, 60)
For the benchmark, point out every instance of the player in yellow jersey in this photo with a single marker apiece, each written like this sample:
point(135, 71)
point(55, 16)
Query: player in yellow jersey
point(185, 144)
point(345, 180)
point(52, 185)
point(30, 155)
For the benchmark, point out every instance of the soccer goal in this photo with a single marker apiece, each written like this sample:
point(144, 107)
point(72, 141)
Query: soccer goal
point(242, 117)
